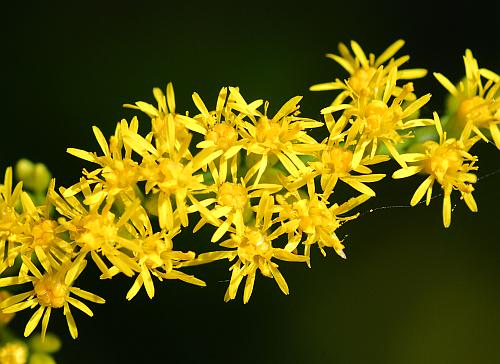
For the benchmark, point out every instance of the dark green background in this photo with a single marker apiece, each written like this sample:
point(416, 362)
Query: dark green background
point(410, 291)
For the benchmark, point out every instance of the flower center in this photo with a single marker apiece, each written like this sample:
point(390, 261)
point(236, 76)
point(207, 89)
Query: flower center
point(312, 215)
point(44, 233)
point(232, 194)
point(120, 174)
point(51, 291)
point(380, 120)
point(173, 175)
point(153, 248)
point(96, 230)
point(474, 109)
point(254, 245)
point(360, 80)
point(338, 160)
point(268, 132)
point(444, 161)
point(223, 135)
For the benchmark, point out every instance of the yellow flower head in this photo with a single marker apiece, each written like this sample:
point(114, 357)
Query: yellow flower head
point(156, 257)
point(11, 223)
point(447, 162)
point(14, 353)
point(40, 233)
point(378, 120)
point(165, 122)
point(229, 204)
point(335, 162)
point(51, 290)
point(313, 218)
point(253, 250)
point(474, 102)
point(93, 229)
point(280, 138)
point(363, 79)
point(118, 172)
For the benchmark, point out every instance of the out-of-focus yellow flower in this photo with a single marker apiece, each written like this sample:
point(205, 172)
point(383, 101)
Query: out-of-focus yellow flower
point(5, 318)
point(447, 162)
point(51, 290)
point(474, 102)
point(35, 176)
point(14, 353)
point(363, 79)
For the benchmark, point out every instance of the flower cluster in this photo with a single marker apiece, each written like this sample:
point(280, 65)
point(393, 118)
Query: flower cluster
point(262, 184)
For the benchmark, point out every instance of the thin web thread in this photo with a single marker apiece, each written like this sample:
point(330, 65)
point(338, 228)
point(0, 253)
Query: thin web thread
point(402, 206)
point(487, 175)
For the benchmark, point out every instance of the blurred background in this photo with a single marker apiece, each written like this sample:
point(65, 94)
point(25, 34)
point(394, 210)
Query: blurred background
point(409, 292)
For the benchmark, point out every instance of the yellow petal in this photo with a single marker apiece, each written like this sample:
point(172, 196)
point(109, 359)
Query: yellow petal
point(33, 321)
point(446, 83)
point(87, 295)
point(420, 192)
point(71, 322)
point(101, 140)
point(358, 51)
point(82, 154)
point(389, 52)
point(406, 172)
point(446, 210)
point(45, 322)
point(80, 305)
point(341, 61)
point(249, 285)
point(279, 279)
point(135, 287)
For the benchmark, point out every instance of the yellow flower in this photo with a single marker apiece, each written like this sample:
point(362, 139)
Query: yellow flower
point(376, 119)
point(11, 224)
point(475, 103)
point(5, 318)
point(253, 250)
point(40, 233)
point(165, 122)
point(220, 131)
point(280, 138)
point(313, 218)
point(155, 256)
point(118, 174)
point(363, 80)
point(14, 353)
point(51, 290)
point(334, 163)
point(95, 229)
point(447, 162)
point(174, 176)
point(230, 200)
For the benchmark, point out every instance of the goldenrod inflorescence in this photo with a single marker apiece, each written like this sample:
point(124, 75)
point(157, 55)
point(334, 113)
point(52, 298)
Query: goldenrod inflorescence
point(260, 180)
